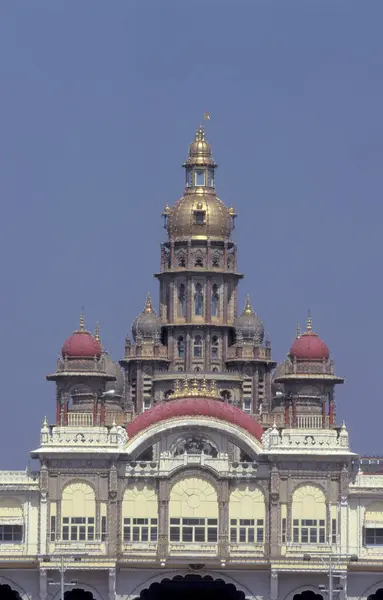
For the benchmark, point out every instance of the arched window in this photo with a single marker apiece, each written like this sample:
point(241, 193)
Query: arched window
point(182, 300)
point(198, 261)
point(139, 514)
point(181, 347)
point(215, 260)
point(181, 260)
point(247, 499)
point(214, 347)
point(197, 346)
point(214, 301)
point(78, 513)
point(193, 512)
point(309, 515)
point(198, 300)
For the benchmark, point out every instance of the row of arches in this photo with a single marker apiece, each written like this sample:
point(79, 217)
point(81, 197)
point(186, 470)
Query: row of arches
point(198, 260)
point(198, 300)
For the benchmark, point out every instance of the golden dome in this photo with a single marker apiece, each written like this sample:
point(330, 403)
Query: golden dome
point(199, 216)
point(200, 151)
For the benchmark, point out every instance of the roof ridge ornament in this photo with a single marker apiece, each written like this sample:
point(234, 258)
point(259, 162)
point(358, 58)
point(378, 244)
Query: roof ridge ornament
point(198, 388)
point(148, 304)
point(248, 310)
point(82, 321)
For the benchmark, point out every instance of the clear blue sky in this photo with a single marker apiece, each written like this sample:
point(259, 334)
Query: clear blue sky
point(99, 101)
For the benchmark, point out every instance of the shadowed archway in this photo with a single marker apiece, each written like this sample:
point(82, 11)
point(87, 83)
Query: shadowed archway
point(190, 587)
point(7, 593)
point(310, 595)
point(76, 594)
point(377, 596)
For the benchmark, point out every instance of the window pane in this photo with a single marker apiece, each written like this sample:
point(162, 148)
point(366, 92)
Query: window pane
point(233, 535)
point(212, 534)
point(174, 534)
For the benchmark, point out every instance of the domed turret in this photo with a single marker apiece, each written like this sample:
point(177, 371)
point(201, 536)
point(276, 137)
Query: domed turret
point(81, 344)
point(248, 325)
point(147, 325)
point(309, 346)
point(199, 214)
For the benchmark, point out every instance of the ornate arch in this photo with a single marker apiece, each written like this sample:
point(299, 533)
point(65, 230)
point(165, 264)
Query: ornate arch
point(160, 576)
point(309, 483)
point(371, 590)
point(81, 586)
point(187, 472)
point(16, 587)
point(301, 589)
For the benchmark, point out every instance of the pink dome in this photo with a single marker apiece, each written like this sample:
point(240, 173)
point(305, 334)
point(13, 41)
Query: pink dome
point(309, 346)
point(195, 407)
point(81, 344)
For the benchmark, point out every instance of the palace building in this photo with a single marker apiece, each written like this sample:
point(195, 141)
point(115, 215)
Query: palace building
point(196, 466)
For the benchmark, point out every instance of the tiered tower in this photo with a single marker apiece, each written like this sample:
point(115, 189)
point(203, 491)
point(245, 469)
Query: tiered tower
point(198, 330)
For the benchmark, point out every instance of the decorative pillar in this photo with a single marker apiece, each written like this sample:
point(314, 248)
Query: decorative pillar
point(287, 413)
point(58, 408)
point(102, 417)
point(294, 413)
point(66, 406)
point(139, 390)
point(189, 299)
point(112, 584)
point(331, 413)
point(112, 512)
point(171, 254)
point(323, 413)
point(207, 353)
point(255, 391)
point(274, 524)
point(43, 584)
point(95, 409)
point(273, 584)
point(188, 351)
point(163, 520)
point(208, 300)
point(223, 520)
point(225, 302)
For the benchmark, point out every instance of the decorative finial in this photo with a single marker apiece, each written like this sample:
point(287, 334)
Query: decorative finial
point(82, 320)
point(309, 322)
point(200, 134)
point(148, 305)
point(204, 388)
point(194, 388)
point(213, 389)
point(185, 388)
point(299, 332)
point(206, 116)
point(248, 310)
point(97, 332)
point(177, 388)
point(45, 422)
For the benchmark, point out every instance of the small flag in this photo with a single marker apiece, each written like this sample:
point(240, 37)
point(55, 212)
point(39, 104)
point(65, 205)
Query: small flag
point(206, 117)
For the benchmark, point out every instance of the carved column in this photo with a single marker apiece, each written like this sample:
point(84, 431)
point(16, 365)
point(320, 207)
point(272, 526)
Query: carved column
point(274, 525)
point(58, 407)
point(255, 391)
point(163, 520)
point(139, 388)
point(208, 300)
point(43, 584)
point(273, 584)
point(225, 302)
point(44, 485)
point(173, 306)
point(113, 512)
point(171, 254)
point(207, 353)
point(189, 299)
point(112, 584)
point(223, 520)
point(189, 351)
point(324, 413)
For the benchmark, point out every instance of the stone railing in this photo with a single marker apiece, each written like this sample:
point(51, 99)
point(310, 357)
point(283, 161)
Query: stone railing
point(312, 441)
point(19, 477)
point(168, 464)
point(78, 419)
point(193, 549)
point(292, 368)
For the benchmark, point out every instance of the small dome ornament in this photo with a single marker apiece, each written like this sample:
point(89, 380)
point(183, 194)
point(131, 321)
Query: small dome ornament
point(147, 326)
point(197, 388)
point(81, 344)
point(249, 327)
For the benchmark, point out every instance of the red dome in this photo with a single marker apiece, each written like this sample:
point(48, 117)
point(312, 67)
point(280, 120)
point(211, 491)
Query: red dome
point(309, 347)
point(194, 407)
point(81, 344)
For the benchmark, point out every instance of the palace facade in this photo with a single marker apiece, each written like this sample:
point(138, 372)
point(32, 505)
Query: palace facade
point(196, 465)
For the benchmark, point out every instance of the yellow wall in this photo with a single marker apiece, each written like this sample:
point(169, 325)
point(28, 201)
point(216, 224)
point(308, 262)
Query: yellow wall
point(309, 502)
point(247, 502)
point(140, 501)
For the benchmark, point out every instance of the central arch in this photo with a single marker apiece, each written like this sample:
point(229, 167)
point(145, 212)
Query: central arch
point(78, 594)
point(191, 586)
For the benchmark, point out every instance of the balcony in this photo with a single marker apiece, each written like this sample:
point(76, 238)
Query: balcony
point(244, 551)
point(94, 548)
point(76, 419)
point(193, 549)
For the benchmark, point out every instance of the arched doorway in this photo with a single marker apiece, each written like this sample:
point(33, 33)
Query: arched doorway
point(7, 593)
point(76, 594)
point(377, 596)
point(190, 587)
point(309, 595)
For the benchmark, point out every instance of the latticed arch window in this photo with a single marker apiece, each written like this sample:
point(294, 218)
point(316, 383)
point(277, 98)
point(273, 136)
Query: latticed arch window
point(309, 515)
point(140, 514)
point(181, 346)
point(215, 301)
point(247, 515)
point(78, 512)
point(182, 300)
point(181, 260)
point(198, 261)
point(214, 347)
point(197, 350)
point(198, 300)
point(193, 512)
point(215, 260)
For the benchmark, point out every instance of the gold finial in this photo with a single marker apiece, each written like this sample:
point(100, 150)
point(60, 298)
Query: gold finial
point(177, 388)
point(213, 389)
point(167, 210)
point(299, 331)
point(82, 320)
point(97, 332)
point(309, 322)
point(232, 212)
point(200, 134)
point(204, 388)
point(206, 116)
point(185, 387)
point(194, 387)
point(248, 310)
point(148, 304)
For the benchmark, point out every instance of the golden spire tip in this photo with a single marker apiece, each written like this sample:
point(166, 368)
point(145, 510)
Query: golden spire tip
point(206, 116)
point(248, 309)
point(299, 332)
point(97, 332)
point(82, 320)
point(148, 304)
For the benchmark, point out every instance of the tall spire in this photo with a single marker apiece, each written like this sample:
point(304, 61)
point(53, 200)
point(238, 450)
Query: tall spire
point(82, 320)
point(309, 322)
point(299, 332)
point(148, 305)
point(97, 332)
